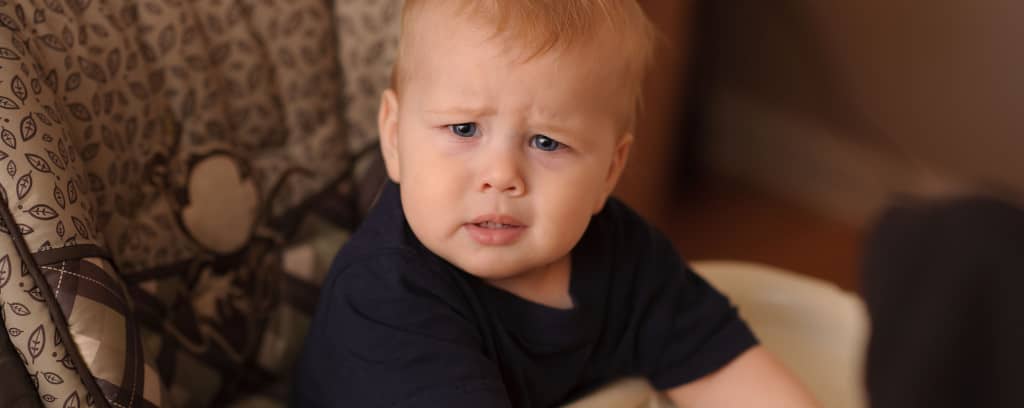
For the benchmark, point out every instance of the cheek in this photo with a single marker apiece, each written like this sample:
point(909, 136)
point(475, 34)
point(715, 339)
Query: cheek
point(432, 150)
point(423, 159)
point(582, 183)
point(566, 228)
point(430, 212)
point(560, 163)
point(570, 202)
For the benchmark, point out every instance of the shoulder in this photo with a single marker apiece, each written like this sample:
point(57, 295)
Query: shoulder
point(623, 231)
point(384, 251)
point(384, 271)
point(384, 228)
point(618, 214)
point(388, 301)
point(382, 322)
point(644, 263)
point(392, 275)
point(632, 261)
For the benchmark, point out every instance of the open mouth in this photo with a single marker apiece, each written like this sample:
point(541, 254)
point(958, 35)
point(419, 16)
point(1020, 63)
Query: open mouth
point(495, 229)
point(496, 225)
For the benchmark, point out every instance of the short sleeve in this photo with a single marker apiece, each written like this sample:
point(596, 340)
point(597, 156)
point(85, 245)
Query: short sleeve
point(686, 328)
point(391, 333)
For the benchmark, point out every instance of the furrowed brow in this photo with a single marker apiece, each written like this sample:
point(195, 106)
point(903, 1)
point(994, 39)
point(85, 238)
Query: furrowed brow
point(461, 110)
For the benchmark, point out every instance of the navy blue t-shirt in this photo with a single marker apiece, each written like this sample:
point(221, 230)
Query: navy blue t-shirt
point(398, 326)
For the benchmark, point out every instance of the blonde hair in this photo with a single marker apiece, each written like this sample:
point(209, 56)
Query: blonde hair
point(541, 26)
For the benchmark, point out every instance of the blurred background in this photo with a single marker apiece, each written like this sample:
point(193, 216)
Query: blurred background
point(776, 132)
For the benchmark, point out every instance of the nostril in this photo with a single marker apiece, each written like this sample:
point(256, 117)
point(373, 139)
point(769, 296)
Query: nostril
point(506, 187)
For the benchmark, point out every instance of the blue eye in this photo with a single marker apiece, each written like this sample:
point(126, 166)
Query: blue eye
point(545, 143)
point(463, 129)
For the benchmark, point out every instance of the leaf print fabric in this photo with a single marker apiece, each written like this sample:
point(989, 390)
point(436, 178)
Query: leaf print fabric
point(107, 111)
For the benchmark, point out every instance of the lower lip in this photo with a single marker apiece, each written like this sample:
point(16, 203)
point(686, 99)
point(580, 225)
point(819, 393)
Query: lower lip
point(494, 236)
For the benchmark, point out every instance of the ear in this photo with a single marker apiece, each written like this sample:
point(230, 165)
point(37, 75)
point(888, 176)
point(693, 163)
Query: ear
point(619, 158)
point(387, 126)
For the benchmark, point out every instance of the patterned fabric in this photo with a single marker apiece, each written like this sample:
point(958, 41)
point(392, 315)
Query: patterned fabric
point(34, 335)
point(178, 176)
point(368, 42)
point(93, 299)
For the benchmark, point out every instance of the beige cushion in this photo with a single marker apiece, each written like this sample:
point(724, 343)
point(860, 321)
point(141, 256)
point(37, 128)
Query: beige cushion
point(817, 329)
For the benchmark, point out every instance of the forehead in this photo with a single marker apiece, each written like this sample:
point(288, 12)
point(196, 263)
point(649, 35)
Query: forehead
point(448, 53)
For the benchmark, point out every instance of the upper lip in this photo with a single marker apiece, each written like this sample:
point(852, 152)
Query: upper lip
point(498, 219)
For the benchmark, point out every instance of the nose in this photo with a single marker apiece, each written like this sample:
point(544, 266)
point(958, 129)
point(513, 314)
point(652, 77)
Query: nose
point(502, 173)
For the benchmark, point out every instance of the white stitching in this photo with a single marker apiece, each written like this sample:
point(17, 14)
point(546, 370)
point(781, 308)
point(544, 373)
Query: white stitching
point(60, 278)
point(80, 276)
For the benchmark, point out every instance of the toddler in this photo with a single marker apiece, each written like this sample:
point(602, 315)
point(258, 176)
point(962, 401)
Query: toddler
point(495, 271)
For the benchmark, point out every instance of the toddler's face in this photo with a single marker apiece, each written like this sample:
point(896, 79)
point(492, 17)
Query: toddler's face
point(501, 162)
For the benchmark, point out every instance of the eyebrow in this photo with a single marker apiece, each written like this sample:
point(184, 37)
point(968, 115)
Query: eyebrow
point(558, 123)
point(462, 110)
point(547, 121)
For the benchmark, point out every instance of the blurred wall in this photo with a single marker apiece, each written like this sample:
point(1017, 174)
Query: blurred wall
point(842, 104)
point(647, 181)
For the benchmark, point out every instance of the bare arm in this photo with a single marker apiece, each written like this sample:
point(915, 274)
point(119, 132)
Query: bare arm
point(754, 379)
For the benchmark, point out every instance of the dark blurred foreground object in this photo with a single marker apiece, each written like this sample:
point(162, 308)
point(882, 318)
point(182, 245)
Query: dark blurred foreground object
point(16, 390)
point(943, 283)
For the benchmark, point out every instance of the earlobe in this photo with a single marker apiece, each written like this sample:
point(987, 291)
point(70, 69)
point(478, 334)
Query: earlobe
point(387, 126)
point(619, 158)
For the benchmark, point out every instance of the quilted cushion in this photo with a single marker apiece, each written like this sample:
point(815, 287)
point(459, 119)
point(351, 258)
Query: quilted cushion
point(178, 174)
